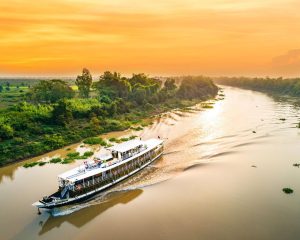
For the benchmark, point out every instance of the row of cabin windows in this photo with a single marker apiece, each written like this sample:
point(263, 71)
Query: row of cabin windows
point(120, 169)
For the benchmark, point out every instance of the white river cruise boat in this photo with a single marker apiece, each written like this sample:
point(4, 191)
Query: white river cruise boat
point(105, 170)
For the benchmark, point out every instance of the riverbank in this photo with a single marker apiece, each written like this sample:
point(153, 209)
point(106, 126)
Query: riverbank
point(140, 120)
point(281, 86)
point(55, 115)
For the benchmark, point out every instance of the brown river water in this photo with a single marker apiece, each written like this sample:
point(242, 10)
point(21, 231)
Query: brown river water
point(221, 177)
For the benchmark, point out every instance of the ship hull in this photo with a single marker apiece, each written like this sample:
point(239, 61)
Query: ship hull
point(88, 195)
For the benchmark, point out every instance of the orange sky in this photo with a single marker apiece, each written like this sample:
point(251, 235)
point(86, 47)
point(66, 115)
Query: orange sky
point(165, 37)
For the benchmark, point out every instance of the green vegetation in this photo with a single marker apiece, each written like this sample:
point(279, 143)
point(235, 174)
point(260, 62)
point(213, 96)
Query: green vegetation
point(124, 139)
point(73, 155)
point(207, 105)
point(42, 163)
point(288, 190)
point(296, 165)
point(50, 91)
point(139, 128)
point(88, 154)
point(95, 140)
point(67, 161)
point(275, 85)
point(32, 164)
point(132, 137)
point(84, 83)
point(55, 160)
point(51, 114)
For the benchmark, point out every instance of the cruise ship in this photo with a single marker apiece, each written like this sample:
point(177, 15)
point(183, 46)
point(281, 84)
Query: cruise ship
point(103, 171)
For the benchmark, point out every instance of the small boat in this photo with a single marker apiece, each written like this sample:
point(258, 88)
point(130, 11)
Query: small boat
point(102, 172)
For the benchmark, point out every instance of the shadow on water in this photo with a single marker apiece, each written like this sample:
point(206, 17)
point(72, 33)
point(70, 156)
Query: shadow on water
point(218, 154)
point(92, 210)
point(9, 171)
point(197, 165)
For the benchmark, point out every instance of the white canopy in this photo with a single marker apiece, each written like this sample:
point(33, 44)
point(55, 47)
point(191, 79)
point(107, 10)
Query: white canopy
point(126, 146)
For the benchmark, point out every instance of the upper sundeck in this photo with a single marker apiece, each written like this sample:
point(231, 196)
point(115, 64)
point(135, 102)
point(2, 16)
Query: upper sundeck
point(127, 146)
point(125, 153)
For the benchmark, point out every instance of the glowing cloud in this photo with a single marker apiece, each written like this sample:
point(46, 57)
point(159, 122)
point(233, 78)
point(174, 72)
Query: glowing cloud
point(216, 37)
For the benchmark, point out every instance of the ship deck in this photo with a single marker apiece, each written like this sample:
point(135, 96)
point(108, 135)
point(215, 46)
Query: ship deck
point(82, 172)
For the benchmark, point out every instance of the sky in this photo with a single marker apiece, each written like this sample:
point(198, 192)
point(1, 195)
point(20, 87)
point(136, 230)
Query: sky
point(158, 37)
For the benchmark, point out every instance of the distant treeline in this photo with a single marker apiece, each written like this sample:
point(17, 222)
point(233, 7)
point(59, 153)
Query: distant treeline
point(289, 86)
point(4, 81)
point(55, 114)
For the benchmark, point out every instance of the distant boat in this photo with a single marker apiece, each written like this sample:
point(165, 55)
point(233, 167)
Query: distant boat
point(104, 171)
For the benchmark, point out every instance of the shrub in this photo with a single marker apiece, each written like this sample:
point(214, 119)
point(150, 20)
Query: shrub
point(67, 161)
point(95, 140)
point(32, 164)
point(88, 154)
point(124, 139)
point(139, 128)
point(55, 160)
point(288, 190)
point(207, 106)
point(132, 137)
point(73, 154)
point(112, 139)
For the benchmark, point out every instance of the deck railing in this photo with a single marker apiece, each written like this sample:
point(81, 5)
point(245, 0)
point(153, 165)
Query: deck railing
point(113, 175)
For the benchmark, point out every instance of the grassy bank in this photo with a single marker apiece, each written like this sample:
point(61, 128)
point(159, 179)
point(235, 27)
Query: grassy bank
point(39, 124)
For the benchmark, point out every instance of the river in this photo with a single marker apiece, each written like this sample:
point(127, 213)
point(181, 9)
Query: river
point(221, 177)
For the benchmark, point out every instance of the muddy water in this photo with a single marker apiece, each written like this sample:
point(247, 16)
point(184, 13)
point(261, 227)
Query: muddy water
point(221, 178)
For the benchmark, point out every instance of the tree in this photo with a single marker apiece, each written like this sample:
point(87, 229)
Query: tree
point(84, 83)
point(197, 87)
point(50, 91)
point(139, 94)
point(170, 85)
point(1, 88)
point(61, 114)
point(112, 85)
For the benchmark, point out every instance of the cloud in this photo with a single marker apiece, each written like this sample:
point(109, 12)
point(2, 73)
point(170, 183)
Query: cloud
point(168, 36)
point(288, 63)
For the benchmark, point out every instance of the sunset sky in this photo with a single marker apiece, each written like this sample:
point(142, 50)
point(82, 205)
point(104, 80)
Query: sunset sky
point(166, 37)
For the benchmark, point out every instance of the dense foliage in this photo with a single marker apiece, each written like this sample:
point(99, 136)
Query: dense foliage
point(50, 91)
point(54, 115)
point(276, 85)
